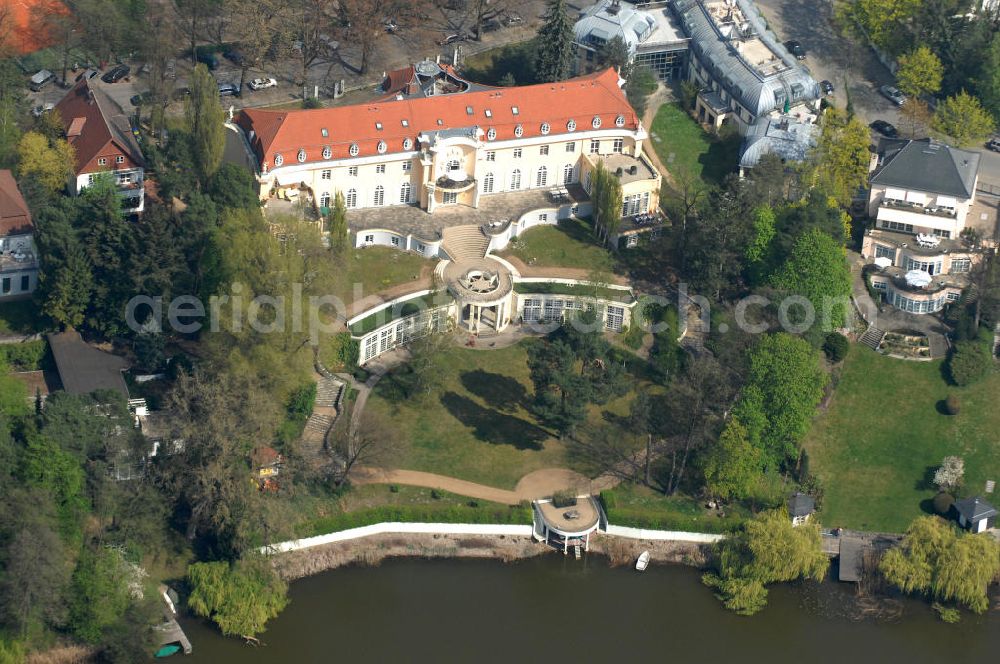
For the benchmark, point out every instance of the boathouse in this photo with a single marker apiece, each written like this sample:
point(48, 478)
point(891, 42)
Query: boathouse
point(567, 526)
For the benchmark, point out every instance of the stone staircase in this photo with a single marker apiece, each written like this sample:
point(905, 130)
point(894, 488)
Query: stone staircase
point(326, 409)
point(328, 391)
point(463, 243)
point(872, 337)
point(319, 424)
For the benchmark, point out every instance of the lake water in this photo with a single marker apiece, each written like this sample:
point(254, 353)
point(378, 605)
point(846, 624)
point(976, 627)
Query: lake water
point(551, 608)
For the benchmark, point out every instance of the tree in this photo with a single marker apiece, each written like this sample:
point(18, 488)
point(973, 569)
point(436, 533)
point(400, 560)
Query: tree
point(933, 559)
point(12, 109)
point(104, 585)
point(987, 82)
point(34, 580)
point(817, 270)
point(372, 441)
point(766, 549)
point(68, 290)
point(963, 118)
point(555, 49)
point(615, 53)
point(255, 25)
point(919, 73)
point(785, 385)
point(917, 114)
point(13, 395)
point(732, 467)
point(884, 21)
point(104, 25)
point(240, 597)
point(367, 28)
point(48, 162)
point(193, 15)
point(948, 478)
point(560, 393)
point(606, 194)
point(970, 362)
point(233, 186)
point(339, 233)
point(205, 123)
point(52, 22)
point(641, 83)
point(836, 346)
point(840, 160)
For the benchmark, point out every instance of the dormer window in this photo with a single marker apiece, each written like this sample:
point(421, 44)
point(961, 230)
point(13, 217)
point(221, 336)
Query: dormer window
point(355, 149)
point(596, 122)
point(327, 152)
point(514, 110)
point(468, 110)
point(382, 147)
point(407, 144)
point(440, 122)
point(278, 160)
point(519, 131)
point(301, 156)
point(491, 134)
point(378, 125)
point(571, 125)
point(620, 121)
point(489, 113)
point(545, 128)
point(324, 132)
point(405, 123)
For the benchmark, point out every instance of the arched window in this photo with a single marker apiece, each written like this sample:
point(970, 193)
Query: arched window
point(488, 184)
point(407, 144)
point(278, 160)
point(545, 128)
point(568, 174)
point(404, 193)
point(519, 131)
point(324, 199)
point(620, 121)
point(571, 125)
point(351, 200)
point(515, 179)
point(355, 149)
point(491, 134)
point(379, 195)
point(542, 176)
point(596, 122)
point(382, 147)
point(301, 156)
point(327, 152)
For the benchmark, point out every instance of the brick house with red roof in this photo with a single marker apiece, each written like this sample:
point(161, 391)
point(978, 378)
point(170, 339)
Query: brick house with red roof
point(101, 134)
point(432, 151)
point(18, 258)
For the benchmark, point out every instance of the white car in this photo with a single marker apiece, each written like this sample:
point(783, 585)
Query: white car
point(893, 95)
point(39, 111)
point(262, 83)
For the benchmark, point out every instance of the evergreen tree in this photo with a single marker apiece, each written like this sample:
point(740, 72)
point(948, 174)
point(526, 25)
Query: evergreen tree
point(68, 289)
point(555, 50)
point(614, 53)
point(339, 233)
point(205, 118)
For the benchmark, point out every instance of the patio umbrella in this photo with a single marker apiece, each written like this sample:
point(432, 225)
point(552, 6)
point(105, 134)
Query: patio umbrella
point(882, 262)
point(918, 278)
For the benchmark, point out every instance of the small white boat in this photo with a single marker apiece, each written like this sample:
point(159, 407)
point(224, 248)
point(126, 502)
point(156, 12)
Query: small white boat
point(643, 562)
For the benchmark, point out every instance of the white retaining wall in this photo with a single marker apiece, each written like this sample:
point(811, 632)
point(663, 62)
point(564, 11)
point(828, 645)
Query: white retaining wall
point(396, 527)
point(475, 529)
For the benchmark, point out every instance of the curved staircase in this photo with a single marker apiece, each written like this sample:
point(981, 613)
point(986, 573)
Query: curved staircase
point(463, 243)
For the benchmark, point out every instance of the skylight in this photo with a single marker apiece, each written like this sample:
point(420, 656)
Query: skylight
point(489, 113)
point(406, 123)
point(378, 125)
point(513, 109)
point(468, 110)
point(324, 132)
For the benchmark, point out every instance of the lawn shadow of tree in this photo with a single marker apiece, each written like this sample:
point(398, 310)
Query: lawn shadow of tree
point(926, 482)
point(494, 427)
point(501, 392)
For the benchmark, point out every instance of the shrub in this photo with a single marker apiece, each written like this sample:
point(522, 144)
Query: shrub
point(836, 346)
point(942, 503)
point(311, 102)
point(970, 361)
point(564, 499)
point(952, 405)
point(25, 356)
point(393, 488)
point(435, 494)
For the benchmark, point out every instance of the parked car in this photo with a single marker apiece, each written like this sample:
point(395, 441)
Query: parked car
point(512, 18)
point(116, 74)
point(893, 94)
point(87, 74)
point(826, 87)
point(884, 128)
point(142, 98)
point(262, 83)
point(42, 109)
point(228, 89)
point(450, 39)
point(993, 144)
point(796, 49)
point(391, 27)
point(40, 79)
point(235, 56)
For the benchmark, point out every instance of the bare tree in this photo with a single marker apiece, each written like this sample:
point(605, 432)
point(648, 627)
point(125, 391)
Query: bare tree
point(373, 442)
point(158, 50)
point(192, 16)
point(481, 12)
point(254, 26)
point(307, 27)
point(51, 22)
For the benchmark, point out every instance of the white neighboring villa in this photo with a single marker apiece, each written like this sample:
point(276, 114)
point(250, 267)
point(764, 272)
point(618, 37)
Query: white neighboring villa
point(18, 256)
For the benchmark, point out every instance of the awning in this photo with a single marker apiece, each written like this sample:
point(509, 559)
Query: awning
point(916, 197)
point(896, 194)
point(947, 201)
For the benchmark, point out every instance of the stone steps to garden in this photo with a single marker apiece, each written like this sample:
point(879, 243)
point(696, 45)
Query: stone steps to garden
point(463, 243)
point(328, 392)
point(872, 337)
point(319, 423)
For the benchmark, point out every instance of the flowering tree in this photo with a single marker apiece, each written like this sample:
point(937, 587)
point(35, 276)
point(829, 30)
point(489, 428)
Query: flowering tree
point(949, 476)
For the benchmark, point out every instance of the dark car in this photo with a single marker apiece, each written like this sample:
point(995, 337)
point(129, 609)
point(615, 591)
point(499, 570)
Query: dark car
point(227, 89)
point(826, 87)
point(884, 128)
point(142, 98)
point(450, 39)
point(796, 49)
point(235, 56)
point(116, 74)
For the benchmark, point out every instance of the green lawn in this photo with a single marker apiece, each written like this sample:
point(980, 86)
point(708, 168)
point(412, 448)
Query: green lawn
point(682, 145)
point(376, 269)
point(21, 317)
point(570, 244)
point(877, 446)
point(641, 507)
point(476, 425)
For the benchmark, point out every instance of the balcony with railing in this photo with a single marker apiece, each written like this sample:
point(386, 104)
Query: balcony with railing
point(919, 208)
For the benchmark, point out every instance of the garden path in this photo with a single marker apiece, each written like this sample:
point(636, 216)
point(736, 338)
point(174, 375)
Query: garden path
point(538, 484)
point(659, 97)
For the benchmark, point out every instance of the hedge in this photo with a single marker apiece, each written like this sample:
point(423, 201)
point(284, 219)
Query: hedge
point(517, 514)
point(663, 520)
point(26, 355)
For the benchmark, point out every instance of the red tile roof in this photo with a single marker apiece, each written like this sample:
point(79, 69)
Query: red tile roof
point(96, 126)
point(15, 218)
point(578, 99)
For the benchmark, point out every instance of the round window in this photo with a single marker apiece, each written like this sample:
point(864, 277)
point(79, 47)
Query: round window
point(545, 128)
point(355, 149)
point(519, 131)
point(596, 121)
point(491, 134)
point(301, 156)
point(327, 152)
point(571, 125)
point(381, 147)
point(407, 144)
point(278, 160)
point(620, 121)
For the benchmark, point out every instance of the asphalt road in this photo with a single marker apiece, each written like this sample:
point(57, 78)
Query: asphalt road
point(847, 65)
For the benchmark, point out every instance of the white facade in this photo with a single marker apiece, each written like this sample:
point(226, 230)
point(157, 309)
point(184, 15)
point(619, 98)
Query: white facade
point(18, 266)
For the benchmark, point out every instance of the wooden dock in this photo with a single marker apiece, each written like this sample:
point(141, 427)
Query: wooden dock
point(850, 547)
point(171, 632)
